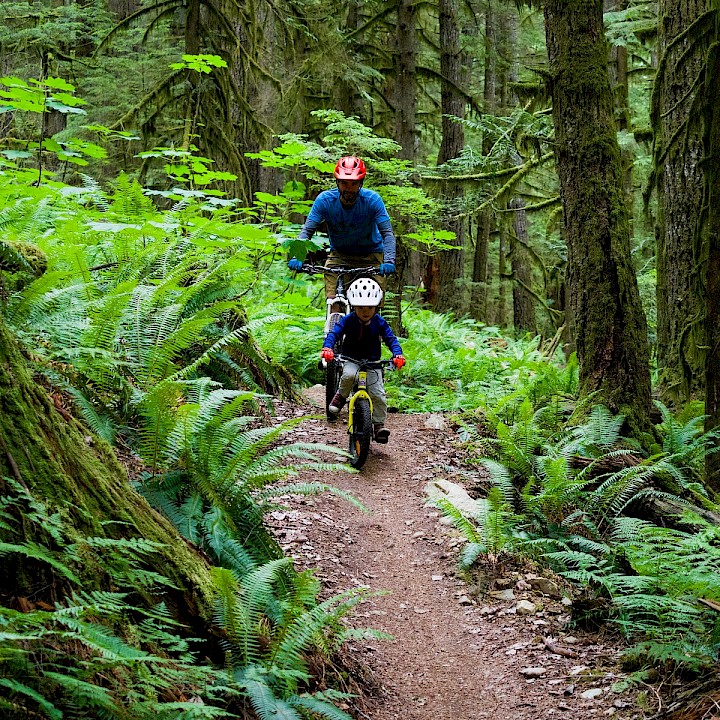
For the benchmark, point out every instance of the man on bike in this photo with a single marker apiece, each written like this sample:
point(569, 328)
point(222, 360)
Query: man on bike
point(360, 333)
point(357, 222)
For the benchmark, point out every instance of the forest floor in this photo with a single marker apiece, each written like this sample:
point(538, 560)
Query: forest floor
point(462, 648)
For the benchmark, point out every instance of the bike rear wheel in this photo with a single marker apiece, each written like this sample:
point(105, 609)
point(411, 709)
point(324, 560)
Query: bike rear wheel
point(361, 435)
point(332, 382)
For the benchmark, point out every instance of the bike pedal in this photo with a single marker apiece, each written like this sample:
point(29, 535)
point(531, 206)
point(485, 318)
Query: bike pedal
point(382, 436)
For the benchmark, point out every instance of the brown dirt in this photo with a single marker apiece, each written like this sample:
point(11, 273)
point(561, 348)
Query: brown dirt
point(457, 653)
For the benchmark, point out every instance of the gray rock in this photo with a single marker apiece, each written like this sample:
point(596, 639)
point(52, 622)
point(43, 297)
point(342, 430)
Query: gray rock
point(545, 586)
point(525, 607)
point(592, 694)
point(435, 422)
point(533, 672)
point(502, 594)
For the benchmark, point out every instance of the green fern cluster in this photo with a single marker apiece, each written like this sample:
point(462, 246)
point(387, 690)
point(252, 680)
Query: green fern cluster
point(93, 653)
point(133, 296)
point(574, 496)
point(214, 468)
point(98, 654)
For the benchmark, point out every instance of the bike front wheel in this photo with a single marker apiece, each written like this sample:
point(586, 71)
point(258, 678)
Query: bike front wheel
point(362, 433)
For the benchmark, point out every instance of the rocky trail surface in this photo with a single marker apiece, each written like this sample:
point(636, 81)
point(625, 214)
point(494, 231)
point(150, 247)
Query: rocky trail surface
point(495, 646)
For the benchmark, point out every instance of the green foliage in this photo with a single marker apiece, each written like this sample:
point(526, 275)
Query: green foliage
point(40, 97)
point(211, 461)
point(570, 495)
point(98, 654)
point(93, 652)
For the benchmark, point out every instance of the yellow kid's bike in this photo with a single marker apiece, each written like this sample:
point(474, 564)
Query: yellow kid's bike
point(360, 429)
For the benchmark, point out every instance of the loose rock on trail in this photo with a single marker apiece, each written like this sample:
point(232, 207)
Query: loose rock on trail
point(459, 651)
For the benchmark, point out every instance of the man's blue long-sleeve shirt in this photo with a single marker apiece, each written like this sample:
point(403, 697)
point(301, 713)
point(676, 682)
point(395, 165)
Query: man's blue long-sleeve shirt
point(361, 229)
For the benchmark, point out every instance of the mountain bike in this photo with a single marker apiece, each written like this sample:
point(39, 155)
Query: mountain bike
point(337, 307)
point(360, 430)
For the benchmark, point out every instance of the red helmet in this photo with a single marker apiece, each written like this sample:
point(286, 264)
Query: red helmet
point(350, 168)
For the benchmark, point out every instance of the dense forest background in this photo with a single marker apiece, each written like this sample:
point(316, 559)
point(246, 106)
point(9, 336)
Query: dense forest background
point(551, 169)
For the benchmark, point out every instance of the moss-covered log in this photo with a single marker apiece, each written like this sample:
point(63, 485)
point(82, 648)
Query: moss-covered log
point(611, 331)
point(48, 452)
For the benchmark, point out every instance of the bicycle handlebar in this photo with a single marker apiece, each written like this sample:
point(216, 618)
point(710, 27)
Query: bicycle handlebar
point(321, 269)
point(372, 364)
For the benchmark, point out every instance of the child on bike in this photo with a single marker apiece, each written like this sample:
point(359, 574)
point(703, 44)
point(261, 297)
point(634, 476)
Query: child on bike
point(360, 333)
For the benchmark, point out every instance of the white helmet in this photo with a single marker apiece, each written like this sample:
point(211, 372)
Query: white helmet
point(364, 292)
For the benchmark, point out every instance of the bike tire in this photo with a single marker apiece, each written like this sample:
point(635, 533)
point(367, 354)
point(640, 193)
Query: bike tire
point(359, 444)
point(332, 381)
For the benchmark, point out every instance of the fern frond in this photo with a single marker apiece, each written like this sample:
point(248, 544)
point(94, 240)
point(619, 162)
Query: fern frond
point(19, 688)
point(318, 707)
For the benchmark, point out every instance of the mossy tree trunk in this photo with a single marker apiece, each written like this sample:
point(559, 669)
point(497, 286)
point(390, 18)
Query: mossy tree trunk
point(481, 278)
point(611, 332)
point(680, 254)
point(523, 300)
point(443, 283)
point(406, 81)
point(54, 457)
point(712, 154)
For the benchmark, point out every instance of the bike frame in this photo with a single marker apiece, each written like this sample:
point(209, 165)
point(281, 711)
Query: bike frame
point(361, 392)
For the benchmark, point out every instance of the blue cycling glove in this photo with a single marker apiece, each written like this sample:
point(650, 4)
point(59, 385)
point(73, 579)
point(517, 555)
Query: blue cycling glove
point(295, 264)
point(386, 269)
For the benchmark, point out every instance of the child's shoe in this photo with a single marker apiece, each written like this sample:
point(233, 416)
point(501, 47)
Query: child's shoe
point(336, 404)
point(381, 433)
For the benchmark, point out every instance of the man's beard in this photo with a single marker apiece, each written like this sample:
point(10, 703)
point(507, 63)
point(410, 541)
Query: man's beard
point(349, 198)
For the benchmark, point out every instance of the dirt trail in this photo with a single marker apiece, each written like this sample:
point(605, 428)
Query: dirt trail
point(456, 654)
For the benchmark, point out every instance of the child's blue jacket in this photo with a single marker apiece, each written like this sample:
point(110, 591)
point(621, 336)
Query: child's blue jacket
point(362, 342)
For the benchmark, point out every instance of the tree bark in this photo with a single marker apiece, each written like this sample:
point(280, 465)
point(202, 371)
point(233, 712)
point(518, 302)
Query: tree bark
point(443, 283)
point(523, 301)
point(618, 68)
point(680, 187)
point(405, 80)
point(611, 332)
point(712, 320)
point(480, 297)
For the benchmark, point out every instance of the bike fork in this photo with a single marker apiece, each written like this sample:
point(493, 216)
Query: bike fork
point(361, 392)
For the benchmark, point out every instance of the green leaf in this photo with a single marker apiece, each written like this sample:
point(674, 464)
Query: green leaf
point(55, 83)
point(12, 81)
point(16, 154)
point(269, 199)
point(65, 109)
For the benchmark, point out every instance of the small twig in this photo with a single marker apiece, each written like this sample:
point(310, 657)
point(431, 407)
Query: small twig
point(554, 648)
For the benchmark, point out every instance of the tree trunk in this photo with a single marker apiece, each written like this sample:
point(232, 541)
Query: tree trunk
point(44, 449)
point(618, 68)
point(480, 298)
point(405, 80)
point(501, 316)
point(123, 8)
point(445, 270)
point(611, 332)
point(523, 301)
point(680, 187)
point(712, 161)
